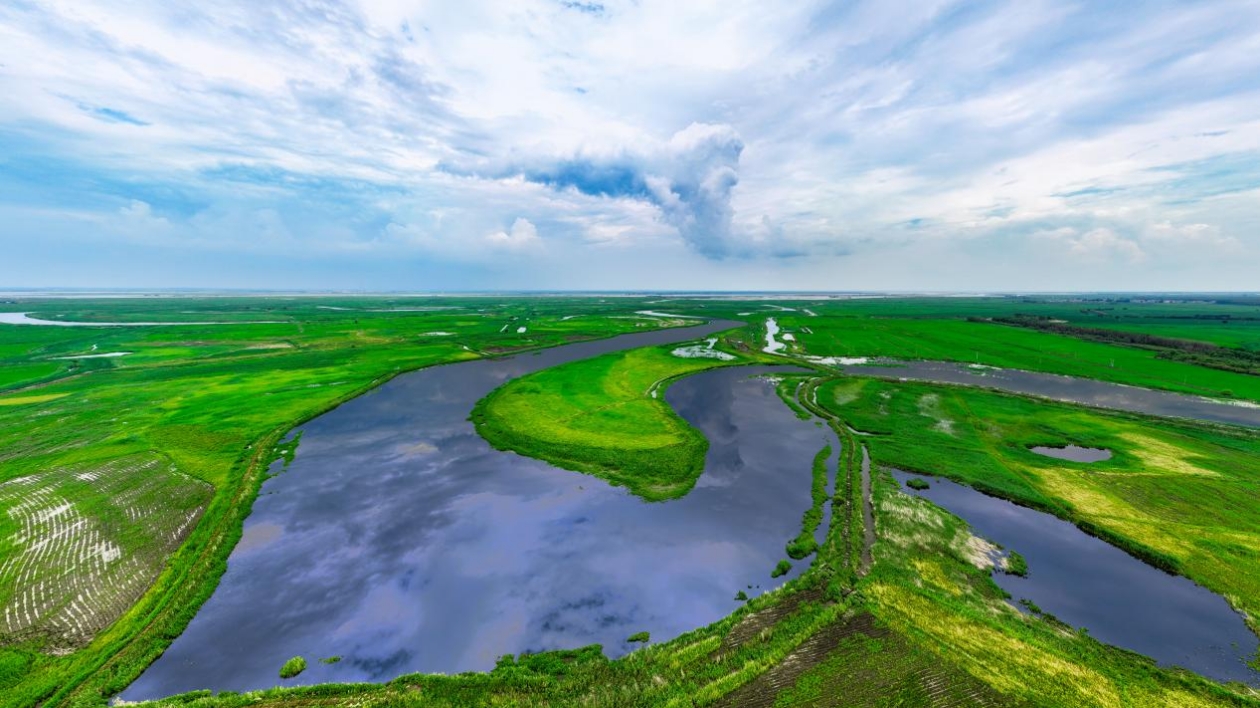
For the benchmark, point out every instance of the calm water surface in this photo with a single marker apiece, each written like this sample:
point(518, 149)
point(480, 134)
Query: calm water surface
point(1066, 388)
point(1074, 453)
point(1118, 598)
point(400, 541)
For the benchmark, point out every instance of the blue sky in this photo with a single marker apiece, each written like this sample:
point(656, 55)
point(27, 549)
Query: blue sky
point(551, 144)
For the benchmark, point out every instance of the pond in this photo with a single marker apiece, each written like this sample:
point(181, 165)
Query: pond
point(400, 541)
point(1073, 453)
point(1088, 583)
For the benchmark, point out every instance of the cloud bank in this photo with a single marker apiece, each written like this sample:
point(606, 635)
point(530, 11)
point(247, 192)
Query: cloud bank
point(879, 145)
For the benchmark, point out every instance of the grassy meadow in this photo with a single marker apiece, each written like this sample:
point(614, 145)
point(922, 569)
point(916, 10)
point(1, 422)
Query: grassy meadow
point(960, 329)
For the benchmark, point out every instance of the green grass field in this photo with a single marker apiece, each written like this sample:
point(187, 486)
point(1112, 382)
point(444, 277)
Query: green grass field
point(947, 329)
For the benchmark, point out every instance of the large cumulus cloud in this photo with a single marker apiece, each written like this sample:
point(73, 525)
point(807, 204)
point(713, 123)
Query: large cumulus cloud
point(689, 177)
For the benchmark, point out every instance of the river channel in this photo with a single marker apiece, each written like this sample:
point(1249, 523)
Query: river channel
point(400, 541)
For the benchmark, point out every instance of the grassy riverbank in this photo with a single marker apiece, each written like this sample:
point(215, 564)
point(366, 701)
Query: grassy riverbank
point(962, 330)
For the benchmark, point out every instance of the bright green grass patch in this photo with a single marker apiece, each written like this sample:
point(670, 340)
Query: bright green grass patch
point(1016, 564)
point(949, 339)
point(24, 400)
point(605, 416)
point(293, 667)
point(19, 375)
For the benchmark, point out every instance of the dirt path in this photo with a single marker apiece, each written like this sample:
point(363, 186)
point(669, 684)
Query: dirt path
point(891, 669)
point(868, 516)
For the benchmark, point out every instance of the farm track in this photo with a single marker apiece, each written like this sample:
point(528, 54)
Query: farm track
point(868, 517)
point(762, 691)
point(751, 626)
point(934, 684)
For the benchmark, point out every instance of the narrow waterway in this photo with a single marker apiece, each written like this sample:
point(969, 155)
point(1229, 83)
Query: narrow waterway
point(1088, 392)
point(1090, 584)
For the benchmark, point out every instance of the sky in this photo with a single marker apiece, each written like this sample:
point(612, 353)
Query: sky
point(640, 144)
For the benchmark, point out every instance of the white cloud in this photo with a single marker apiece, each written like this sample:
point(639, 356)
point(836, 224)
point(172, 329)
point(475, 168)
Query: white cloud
point(750, 131)
point(523, 234)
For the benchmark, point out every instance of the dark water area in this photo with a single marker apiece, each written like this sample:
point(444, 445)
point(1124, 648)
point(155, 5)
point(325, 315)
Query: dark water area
point(1088, 583)
point(400, 541)
point(1066, 388)
point(1074, 453)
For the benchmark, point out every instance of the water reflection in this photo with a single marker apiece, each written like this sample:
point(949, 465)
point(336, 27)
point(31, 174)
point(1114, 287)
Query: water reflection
point(399, 540)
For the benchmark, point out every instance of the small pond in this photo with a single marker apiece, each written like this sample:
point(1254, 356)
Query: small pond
point(1074, 453)
point(1088, 583)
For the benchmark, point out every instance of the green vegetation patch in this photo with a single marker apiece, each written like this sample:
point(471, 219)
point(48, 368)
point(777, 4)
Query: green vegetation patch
point(1016, 565)
point(293, 667)
point(805, 543)
point(935, 330)
point(605, 416)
